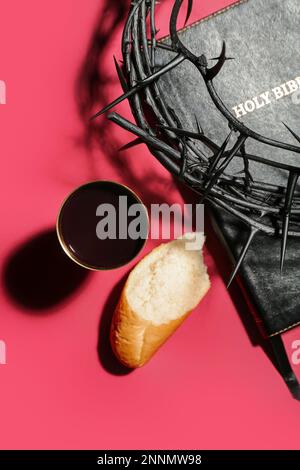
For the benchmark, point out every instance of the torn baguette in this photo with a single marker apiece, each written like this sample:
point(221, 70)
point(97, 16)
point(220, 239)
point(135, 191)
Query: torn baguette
point(159, 294)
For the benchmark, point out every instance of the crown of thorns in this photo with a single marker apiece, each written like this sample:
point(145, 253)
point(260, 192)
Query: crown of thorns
point(263, 207)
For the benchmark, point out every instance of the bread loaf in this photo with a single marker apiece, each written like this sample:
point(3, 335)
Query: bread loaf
point(159, 294)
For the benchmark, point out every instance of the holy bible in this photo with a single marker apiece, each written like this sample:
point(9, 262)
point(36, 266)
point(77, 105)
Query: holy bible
point(260, 84)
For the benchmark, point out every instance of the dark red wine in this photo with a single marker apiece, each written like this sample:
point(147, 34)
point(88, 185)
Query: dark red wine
point(95, 225)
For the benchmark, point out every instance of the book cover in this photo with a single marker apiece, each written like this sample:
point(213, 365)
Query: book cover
point(260, 85)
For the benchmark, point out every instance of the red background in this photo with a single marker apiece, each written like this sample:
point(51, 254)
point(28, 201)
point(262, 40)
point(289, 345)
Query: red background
point(211, 386)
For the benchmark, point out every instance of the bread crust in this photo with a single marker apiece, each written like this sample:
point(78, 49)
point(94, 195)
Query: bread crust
point(135, 340)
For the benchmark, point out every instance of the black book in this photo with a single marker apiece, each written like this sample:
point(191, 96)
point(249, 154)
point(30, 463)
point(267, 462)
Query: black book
point(260, 84)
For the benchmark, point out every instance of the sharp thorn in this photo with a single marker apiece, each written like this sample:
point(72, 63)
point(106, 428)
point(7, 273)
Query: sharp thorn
point(292, 132)
point(189, 11)
point(213, 71)
point(117, 101)
point(214, 178)
point(218, 156)
point(121, 75)
point(285, 231)
point(142, 84)
point(242, 256)
point(199, 127)
point(131, 144)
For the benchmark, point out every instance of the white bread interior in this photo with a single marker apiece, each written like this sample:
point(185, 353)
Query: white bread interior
point(159, 293)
